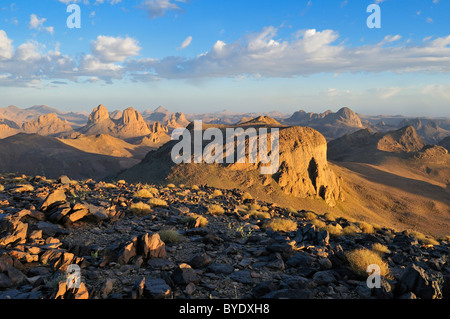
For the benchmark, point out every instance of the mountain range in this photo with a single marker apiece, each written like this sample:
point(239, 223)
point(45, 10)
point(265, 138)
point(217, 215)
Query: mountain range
point(378, 168)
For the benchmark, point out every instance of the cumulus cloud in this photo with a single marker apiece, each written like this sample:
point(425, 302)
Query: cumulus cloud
point(307, 52)
point(6, 47)
point(261, 54)
point(38, 24)
point(114, 49)
point(31, 62)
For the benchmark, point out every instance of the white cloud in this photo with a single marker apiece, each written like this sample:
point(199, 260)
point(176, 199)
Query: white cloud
point(262, 54)
point(307, 52)
point(38, 24)
point(185, 44)
point(6, 47)
point(158, 8)
point(111, 49)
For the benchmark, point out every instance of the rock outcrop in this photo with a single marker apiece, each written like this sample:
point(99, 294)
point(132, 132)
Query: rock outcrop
point(46, 125)
point(304, 170)
point(130, 125)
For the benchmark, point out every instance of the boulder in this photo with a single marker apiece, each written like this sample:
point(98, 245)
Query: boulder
point(53, 199)
point(157, 289)
point(184, 275)
point(12, 231)
point(416, 280)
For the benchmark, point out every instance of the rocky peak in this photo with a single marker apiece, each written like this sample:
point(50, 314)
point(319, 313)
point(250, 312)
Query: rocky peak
point(403, 140)
point(99, 114)
point(131, 116)
point(157, 127)
point(345, 116)
point(46, 125)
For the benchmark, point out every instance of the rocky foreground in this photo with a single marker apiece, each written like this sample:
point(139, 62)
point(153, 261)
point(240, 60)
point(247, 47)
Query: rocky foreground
point(138, 241)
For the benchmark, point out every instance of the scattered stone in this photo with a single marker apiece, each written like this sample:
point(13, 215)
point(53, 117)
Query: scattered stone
point(53, 199)
point(184, 275)
point(324, 277)
point(157, 289)
point(200, 261)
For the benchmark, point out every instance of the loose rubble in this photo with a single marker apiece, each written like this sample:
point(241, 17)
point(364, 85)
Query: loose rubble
point(164, 252)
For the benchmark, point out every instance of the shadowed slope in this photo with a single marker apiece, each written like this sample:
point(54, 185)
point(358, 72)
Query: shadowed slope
point(47, 156)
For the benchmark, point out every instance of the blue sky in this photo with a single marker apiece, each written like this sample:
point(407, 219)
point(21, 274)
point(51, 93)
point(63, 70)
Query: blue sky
point(208, 55)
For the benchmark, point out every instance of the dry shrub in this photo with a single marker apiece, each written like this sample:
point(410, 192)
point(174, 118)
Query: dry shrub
point(334, 230)
point(318, 223)
point(215, 209)
point(143, 193)
point(360, 259)
point(330, 217)
point(281, 224)
point(109, 186)
point(157, 202)
point(140, 208)
point(195, 219)
point(259, 215)
point(254, 207)
point(309, 216)
point(195, 188)
point(171, 186)
point(366, 227)
point(264, 208)
point(2, 188)
point(217, 193)
point(350, 230)
point(246, 195)
point(171, 236)
point(427, 240)
point(380, 248)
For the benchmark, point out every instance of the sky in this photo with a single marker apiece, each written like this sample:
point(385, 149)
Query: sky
point(198, 56)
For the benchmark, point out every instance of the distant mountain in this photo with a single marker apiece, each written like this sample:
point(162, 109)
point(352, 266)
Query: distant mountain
point(48, 124)
point(20, 116)
point(130, 125)
point(33, 154)
point(365, 146)
point(261, 120)
point(8, 128)
point(428, 130)
point(169, 119)
point(331, 125)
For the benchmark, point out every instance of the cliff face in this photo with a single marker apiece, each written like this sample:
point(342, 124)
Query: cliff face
point(131, 124)
point(304, 170)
